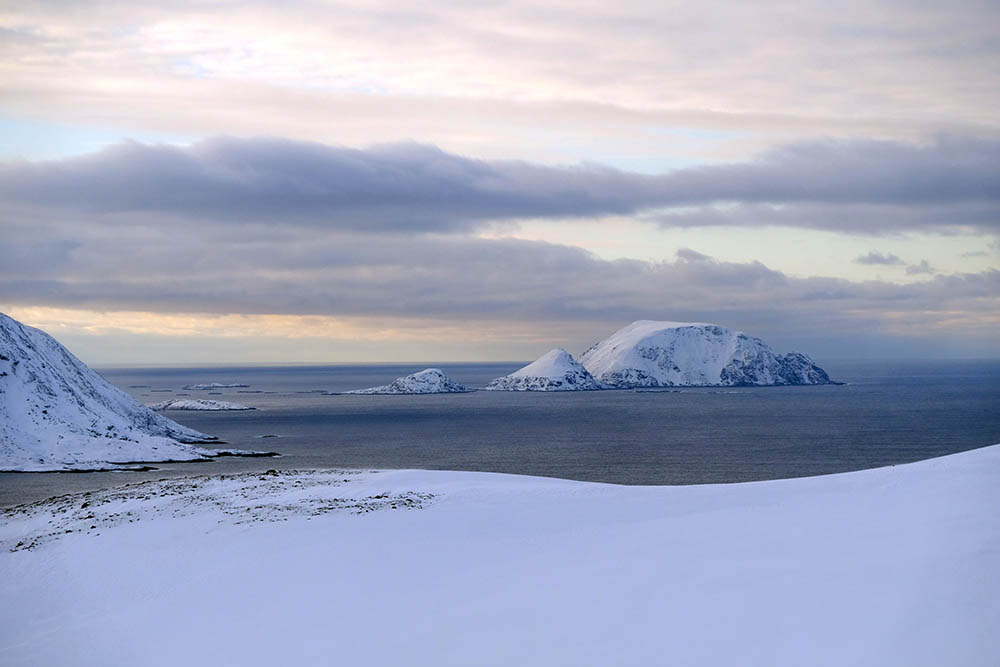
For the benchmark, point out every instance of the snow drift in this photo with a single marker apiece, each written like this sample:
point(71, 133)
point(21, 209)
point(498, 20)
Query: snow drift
point(427, 381)
point(670, 354)
point(556, 370)
point(58, 414)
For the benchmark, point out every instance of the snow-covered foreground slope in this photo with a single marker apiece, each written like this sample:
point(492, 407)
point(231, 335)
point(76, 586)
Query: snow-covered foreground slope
point(203, 404)
point(555, 370)
point(668, 354)
point(427, 381)
point(895, 566)
point(58, 414)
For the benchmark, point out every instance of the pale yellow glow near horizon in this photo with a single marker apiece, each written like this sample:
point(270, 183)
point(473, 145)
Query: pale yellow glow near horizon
point(942, 323)
point(116, 338)
point(99, 323)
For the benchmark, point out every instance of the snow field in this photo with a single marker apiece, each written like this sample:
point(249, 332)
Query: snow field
point(894, 566)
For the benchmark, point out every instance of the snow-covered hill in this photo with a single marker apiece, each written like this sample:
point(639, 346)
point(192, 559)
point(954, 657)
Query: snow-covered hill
point(427, 381)
point(887, 567)
point(668, 354)
point(58, 414)
point(556, 370)
point(198, 404)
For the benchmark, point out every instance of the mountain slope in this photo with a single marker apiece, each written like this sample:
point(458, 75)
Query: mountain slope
point(666, 354)
point(556, 370)
point(58, 414)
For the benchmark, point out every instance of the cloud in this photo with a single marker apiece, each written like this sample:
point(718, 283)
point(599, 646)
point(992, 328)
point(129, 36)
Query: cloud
point(870, 219)
point(876, 258)
point(852, 172)
point(279, 226)
point(457, 281)
point(920, 269)
point(949, 183)
point(192, 64)
point(689, 255)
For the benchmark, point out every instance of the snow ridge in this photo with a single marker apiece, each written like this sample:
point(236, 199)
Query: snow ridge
point(556, 370)
point(669, 354)
point(427, 381)
point(58, 414)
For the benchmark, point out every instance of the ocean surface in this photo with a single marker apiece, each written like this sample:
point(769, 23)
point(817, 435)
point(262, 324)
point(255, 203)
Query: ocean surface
point(888, 412)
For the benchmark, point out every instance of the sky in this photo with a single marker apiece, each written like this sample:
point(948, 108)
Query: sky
point(239, 182)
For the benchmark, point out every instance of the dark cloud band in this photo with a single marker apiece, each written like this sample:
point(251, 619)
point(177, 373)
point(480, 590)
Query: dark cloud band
point(868, 186)
point(453, 278)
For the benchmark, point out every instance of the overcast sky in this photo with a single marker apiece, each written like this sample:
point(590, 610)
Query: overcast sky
point(381, 181)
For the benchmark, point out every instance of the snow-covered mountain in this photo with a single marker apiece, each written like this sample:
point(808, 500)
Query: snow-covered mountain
point(58, 414)
point(556, 370)
point(427, 381)
point(668, 354)
point(198, 404)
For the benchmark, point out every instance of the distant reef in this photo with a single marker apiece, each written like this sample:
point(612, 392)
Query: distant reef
point(198, 404)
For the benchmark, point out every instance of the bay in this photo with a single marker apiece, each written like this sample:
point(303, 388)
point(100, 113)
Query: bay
point(888, 412)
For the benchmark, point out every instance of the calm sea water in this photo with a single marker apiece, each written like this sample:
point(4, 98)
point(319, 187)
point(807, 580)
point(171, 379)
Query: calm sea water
point(889, 412)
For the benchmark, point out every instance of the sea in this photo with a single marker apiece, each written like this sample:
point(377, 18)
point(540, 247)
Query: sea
point(885, 413)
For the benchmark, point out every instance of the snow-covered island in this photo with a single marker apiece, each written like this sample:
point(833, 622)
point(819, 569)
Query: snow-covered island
point(647, 353)
point(651, 354)
point(58, 414)
point(556, 370)
point(198, 404)
point(890, 567)
point(213, 385)
point(427, 381)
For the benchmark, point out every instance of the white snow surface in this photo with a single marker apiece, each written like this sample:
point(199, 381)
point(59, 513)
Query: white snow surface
point(556, 370)
point(427, 381)
point(213, 385)
point(198, 404)
point(58, 414)
point(893, 566)
point(648, 353)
